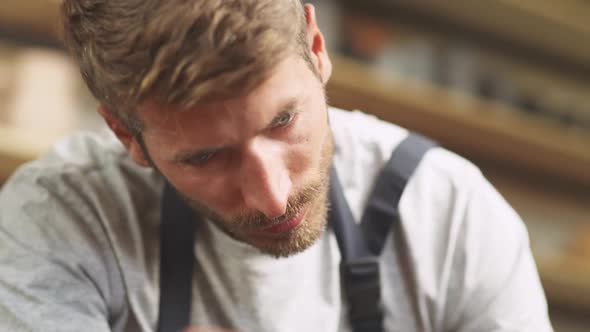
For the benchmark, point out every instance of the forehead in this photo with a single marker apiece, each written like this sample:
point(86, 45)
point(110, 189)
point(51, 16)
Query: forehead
point(290, 80)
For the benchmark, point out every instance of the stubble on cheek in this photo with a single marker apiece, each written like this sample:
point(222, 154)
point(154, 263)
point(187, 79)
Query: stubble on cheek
point(246, 227)
point(314, 224)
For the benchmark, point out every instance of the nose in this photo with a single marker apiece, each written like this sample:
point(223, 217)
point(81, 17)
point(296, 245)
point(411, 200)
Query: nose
point(265, 181)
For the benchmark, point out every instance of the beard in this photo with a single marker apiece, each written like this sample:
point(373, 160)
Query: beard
point(313, 198)
point(246, 227)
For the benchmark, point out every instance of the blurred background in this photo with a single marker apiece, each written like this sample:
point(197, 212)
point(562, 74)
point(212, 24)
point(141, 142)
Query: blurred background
point(505, 83)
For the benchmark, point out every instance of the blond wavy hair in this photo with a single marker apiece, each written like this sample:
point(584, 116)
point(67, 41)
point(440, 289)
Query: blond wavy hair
point(181, 52)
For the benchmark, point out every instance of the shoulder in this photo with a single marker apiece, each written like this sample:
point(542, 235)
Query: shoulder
point(364, 143)
point(83, 162)
point(86, 180)
point(447, 194)
point(355, 131)
point(469, 250)
point(57, 220)
point(466, 248)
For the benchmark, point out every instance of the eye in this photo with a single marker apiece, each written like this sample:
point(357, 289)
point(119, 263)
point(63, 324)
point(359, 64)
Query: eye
point(201, 159)
point(283, 119)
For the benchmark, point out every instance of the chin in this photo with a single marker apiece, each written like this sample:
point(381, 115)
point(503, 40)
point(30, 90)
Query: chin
point(299, 239)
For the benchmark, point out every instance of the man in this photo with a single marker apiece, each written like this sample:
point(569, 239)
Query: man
point(224, 100)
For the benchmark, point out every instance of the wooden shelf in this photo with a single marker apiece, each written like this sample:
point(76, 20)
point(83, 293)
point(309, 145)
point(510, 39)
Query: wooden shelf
point(536, 29)
point(31, 16)
point(18, 147)
point(468, 125)
point(566, 282)
point(558, 221)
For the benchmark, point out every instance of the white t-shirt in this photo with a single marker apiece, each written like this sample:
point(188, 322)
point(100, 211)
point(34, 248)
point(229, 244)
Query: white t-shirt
point(79, 249)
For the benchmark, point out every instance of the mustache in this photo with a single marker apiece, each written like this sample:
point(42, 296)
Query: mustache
point(295, 204)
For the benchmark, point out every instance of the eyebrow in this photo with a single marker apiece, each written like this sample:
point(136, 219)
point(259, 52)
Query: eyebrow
point(290, 106)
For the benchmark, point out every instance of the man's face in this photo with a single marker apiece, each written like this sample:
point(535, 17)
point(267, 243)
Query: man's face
point(256, 165)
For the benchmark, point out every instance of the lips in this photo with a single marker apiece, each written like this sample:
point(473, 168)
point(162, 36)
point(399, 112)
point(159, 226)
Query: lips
point(287, 224)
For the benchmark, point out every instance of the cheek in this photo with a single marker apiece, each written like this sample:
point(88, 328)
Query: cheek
point(304, 157)
point(212, 192)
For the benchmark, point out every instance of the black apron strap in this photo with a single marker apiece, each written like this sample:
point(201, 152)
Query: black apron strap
point(382, 208)
point(361, 244)
point(359, 268)
point(176, 262)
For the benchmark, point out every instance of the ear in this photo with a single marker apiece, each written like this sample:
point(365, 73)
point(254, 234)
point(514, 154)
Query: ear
point(317, 46)
point(128, 140)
